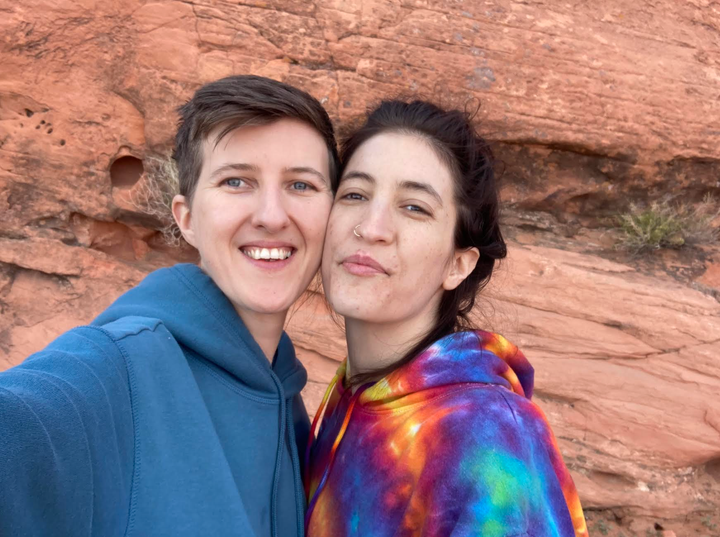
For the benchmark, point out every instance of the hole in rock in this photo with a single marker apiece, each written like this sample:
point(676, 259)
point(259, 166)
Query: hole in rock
point(126, 171)
point(713, 469)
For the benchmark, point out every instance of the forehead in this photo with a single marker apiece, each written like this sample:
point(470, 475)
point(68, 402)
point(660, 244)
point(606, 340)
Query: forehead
point(282, 143)
point(394, 158)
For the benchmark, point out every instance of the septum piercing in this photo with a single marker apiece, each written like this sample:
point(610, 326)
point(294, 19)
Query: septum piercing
point(356, 233)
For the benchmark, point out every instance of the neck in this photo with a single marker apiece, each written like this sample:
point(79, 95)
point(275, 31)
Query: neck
point(265, 328)
point(373, 346)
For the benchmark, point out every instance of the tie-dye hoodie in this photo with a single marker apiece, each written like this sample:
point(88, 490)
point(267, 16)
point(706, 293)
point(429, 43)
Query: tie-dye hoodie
point(449, 444)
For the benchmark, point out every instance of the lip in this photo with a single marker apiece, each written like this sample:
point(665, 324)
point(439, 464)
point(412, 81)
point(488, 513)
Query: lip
point(268, 265)
point(362, 264)
point(267, 244)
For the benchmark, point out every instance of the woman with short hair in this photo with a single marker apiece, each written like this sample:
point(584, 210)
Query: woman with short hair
point(177, 411)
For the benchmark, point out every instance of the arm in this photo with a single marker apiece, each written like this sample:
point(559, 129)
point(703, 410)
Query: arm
point(66, 440)
point(546, 457)
point(496, 472)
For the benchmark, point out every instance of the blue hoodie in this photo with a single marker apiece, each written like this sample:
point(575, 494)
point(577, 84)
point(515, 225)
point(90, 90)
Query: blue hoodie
point(163, 417)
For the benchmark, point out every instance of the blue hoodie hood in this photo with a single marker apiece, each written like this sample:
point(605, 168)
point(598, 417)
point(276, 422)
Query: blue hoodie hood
point(202, 319)
point(252, 407)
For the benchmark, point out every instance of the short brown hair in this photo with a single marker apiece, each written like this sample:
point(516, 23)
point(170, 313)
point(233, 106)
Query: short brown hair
point(242, 101)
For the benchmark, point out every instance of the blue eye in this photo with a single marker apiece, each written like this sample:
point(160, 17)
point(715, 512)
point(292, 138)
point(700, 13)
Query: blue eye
point(234, 182)
point(301, 186)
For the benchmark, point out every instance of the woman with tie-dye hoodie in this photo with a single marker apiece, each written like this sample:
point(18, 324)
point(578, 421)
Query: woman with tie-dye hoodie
point(428, 428)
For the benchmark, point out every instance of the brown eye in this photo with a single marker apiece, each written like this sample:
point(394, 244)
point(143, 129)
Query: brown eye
point(416, 209)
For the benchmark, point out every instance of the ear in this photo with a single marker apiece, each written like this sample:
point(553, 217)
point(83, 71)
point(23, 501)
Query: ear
point(463, 264)
point(181, 214)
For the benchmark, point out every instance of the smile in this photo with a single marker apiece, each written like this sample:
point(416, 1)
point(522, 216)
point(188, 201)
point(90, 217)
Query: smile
point(267, 254)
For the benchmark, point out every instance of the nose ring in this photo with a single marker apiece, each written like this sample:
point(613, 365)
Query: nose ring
point(356, 232)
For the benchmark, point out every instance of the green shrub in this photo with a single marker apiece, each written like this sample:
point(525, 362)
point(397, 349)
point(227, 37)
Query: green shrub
point(663, 225)
point(708, 523)
point(602, 527)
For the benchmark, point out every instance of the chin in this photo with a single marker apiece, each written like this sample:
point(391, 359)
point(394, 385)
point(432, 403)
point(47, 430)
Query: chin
point(356, 309)
point(264, 305)
point(276, 306)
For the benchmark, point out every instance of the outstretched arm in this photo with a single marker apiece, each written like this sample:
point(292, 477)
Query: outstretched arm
point(66, 440)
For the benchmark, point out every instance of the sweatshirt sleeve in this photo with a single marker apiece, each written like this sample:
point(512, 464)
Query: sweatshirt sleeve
point(500, 475)
point(559, 492)
point(66, 440)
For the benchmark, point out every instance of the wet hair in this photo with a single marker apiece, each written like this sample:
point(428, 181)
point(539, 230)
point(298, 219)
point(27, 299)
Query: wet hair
point(243, 101)
point(467, 155)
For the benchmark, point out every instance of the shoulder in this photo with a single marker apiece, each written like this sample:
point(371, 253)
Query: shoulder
point(87, 362)
point(489, 412)
point(135, 337)
point(129, 326)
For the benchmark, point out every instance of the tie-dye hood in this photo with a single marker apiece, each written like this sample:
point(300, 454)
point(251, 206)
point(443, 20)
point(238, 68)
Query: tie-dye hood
point(449, 444)
point(465, 357)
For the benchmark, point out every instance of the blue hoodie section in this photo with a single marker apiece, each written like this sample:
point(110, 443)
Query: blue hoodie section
point(163, 417)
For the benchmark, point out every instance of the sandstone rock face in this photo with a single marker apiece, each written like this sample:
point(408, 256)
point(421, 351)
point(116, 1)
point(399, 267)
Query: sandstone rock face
point(627, 371)
point(589, 107)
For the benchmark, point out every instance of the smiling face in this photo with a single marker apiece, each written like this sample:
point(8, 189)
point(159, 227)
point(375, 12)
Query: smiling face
point(389, 252)
point(259, 213)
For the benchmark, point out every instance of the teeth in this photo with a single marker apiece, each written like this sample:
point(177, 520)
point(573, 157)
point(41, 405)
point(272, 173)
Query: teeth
point(267, 254)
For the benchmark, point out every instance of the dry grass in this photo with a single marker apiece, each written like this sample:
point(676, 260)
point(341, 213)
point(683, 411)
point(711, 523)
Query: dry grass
point(154, 193)
point(663, 225)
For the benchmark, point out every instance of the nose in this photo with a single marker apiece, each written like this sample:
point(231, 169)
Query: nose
point(377, 225)
point(271, 213)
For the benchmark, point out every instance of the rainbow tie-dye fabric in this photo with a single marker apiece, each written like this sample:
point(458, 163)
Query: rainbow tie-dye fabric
point(449, 444)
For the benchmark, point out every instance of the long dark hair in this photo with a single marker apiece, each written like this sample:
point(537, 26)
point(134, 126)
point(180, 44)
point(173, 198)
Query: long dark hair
point(469, 158)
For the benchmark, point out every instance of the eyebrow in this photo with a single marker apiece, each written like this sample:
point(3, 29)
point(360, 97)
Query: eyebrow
point(306, 169)
point(408, 185)
point(422, 187)
point(359, 175)
point(237, 166)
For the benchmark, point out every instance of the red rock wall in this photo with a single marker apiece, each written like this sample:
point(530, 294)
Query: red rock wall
point(590, 105)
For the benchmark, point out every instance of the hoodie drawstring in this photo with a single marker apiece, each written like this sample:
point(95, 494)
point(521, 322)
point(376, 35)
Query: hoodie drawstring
point(278, 458)
point(333, 450)
point(299, 490)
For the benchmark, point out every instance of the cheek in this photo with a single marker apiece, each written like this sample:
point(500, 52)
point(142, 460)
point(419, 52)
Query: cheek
point(427, 256)
point(216, 226)
point(313, 222)
point(335, 231)
point(216, 215)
